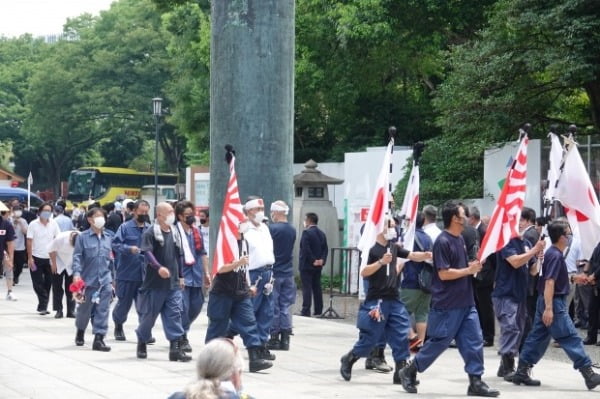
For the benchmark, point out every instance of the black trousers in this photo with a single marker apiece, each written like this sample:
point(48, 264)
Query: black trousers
point(20, 259)
point(593, 309)
point(311, 288)
point(485, 308)
point(57, 292)
point(41, 278)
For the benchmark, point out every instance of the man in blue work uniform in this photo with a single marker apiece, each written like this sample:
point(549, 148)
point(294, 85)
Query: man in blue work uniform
point(261, 259)
point(194, 266)
point(130, 264)
point(161, 291)
point(93, 263)
point(453, 314)
point(383, 314)
point(284, 288)
point(552, 315)
point(229, 302)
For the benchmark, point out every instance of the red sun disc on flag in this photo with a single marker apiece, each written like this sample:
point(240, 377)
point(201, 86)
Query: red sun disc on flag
point(378, 208)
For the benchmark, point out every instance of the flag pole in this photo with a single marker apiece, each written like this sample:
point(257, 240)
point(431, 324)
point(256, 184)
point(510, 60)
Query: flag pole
point(392, 136)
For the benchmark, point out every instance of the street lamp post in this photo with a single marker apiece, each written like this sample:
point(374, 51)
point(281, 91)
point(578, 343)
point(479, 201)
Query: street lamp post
point(156, 111)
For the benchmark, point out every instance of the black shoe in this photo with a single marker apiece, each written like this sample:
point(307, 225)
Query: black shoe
point(589, 341)
point(99, 344)
point(274, 342)
point(176, 353)
point(507, 367)
point(70, 315)
point(43, 312)
point(408, 377)
point(79, 341)
point(285, 340)
point(59, 315)
point(15, 281)
point(141, 352)
point(480, 388)
point(119, 333)
point(592, 380)
point(452, 344)
point(265, 354)
point(522, 375)
point(256, 362)
point(151, 341)
point(487, 343)
point(185, 344)
point(376, 361)
point(347, 361)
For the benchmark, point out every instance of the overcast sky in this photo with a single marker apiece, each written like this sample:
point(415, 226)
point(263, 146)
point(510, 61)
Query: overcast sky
point(43, 17)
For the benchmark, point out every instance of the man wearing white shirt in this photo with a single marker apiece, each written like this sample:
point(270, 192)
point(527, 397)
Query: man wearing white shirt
point(61, 262)
point(430, 227)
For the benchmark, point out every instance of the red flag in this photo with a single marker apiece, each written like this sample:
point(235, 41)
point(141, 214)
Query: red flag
point(226, 250)
point(504, 223)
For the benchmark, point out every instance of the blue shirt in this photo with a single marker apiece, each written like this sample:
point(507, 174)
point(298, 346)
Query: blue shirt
point(92, 258)
point(450, 252)
point(130, 267)
point(411, 271)
point(284, 237)
point(193, 275)
point(510, 282)
point(554, 268)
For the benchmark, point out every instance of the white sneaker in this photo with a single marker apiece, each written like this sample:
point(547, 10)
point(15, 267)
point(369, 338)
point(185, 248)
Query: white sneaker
point(10, 296)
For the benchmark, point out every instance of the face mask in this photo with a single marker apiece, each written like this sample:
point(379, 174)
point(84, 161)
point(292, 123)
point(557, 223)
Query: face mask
point(143, 218)
point(390, 234)
point(99, 222)
point(258, 218)
point(190, 220)
point(46, 215)
point(202, 221)
point(18, 214)
point(170, 219)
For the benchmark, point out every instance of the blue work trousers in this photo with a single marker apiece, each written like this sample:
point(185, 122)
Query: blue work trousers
point(284, 296)
point(127, 293)
point(223, 308)
point(394, 325)
point(193, 299)
point(562, 330)
point(167, 303)
point(100, 309)
point(512, 317)
point(443, 326)
point(262, 303)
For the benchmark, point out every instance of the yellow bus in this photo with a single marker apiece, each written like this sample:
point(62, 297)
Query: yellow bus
point(106, 184)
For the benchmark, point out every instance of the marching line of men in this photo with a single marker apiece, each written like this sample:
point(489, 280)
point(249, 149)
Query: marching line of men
point(453, 315)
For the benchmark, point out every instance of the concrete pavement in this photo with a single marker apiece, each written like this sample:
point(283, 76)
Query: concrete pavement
point(38, 359)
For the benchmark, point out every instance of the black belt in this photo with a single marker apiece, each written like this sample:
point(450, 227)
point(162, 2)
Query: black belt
point(265, 267)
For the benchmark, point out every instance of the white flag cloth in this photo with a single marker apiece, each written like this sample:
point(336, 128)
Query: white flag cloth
point(556, 153)
point(379, 206)
point(576, 193)
point(410, 207)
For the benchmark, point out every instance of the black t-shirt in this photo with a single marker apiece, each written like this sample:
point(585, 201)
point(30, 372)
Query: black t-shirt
point(382, 285)
point(167, 255)
point(232, 284)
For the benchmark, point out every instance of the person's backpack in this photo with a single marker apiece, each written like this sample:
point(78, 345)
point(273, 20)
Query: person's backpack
point(426, 273)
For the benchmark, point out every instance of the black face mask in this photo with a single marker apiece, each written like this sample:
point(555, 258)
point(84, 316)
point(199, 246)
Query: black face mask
point(190, 220)
point(202, 221)
point(143, 218)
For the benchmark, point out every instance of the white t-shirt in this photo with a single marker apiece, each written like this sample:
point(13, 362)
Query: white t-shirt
point(41, 237)
point(205, 237)
point(64, 252)
point(260, 246)
point(20, 225)
point(432, 231)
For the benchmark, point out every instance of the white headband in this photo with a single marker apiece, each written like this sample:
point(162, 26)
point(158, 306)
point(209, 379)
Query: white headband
point(275, 207)
point(255, 203)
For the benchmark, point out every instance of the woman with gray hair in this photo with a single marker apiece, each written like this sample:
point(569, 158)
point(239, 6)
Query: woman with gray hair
point(219, 368)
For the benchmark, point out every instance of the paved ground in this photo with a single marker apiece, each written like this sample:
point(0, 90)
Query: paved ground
point(38, 359)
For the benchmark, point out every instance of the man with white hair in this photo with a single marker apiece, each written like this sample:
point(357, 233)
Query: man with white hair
point(284, 287)
point(261, 260)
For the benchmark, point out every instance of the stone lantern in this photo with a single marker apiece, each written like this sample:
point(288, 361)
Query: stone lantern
point(311, 195)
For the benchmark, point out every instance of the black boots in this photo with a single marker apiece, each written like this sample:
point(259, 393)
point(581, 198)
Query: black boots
point(79, 338)
point(376, 361)
point(399, 366)
point(274, 343)
point(507, 367)
point(265, 354)
point(480, 388)
point(592, 380)
point(141, 352)
point(347, 361)
point(522, 375)
point(176, 353)
point(257, 363)
point(185, 344)
point(408, 377)
point(119, 333)
point(99, 344)
point(285, 340)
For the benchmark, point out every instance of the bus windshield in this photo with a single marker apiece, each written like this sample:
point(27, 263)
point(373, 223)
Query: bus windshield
point(81, 184)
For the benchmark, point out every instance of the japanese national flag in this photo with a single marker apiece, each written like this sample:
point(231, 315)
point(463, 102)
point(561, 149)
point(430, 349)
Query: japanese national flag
point(576, 193)
point(379, 206)
point(410, 206)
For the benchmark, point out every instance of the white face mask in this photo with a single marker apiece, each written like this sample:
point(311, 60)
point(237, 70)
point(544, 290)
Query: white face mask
point(99, 222)
point(170, 219)
point(18, 214)
point(390, 234)
point(259, 217)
